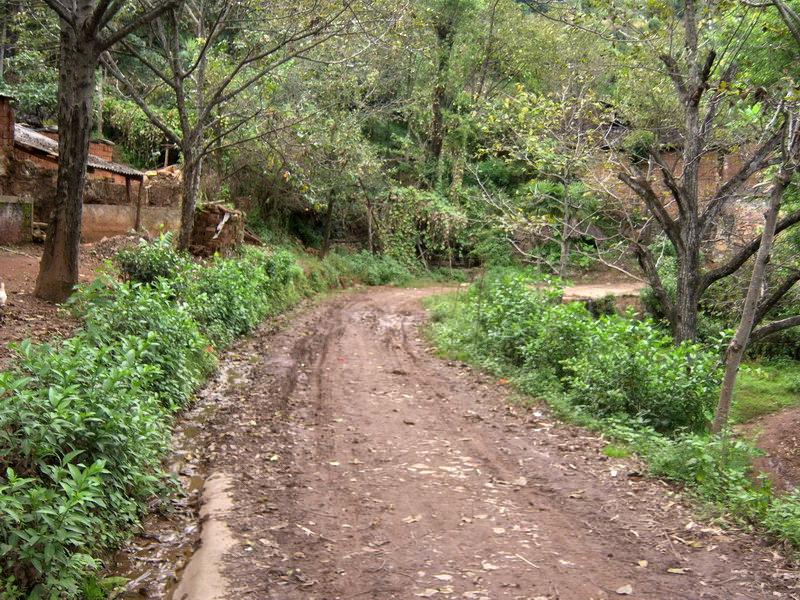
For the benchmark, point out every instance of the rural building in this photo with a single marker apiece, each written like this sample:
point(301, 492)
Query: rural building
point(118, 197)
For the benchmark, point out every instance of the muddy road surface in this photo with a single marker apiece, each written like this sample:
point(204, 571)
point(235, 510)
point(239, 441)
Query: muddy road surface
point(346, 461)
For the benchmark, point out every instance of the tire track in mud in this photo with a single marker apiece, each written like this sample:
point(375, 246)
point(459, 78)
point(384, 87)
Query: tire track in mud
point(364, 467)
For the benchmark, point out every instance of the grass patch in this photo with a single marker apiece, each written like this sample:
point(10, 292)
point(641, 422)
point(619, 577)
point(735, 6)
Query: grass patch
point(765, 387)
point(613, 451)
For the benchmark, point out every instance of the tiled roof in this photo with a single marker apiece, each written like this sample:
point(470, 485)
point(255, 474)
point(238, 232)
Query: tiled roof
point(28, 138)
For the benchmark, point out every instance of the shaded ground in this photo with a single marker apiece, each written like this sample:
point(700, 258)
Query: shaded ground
point(27, 317)
point(361, 466)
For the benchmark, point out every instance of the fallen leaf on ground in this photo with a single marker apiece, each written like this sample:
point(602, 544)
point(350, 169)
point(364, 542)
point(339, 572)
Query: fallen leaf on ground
point(625, 590)
point(642, 563)
point(412, 518)
point(676, 571)
point(487, 566)
point(443, 577)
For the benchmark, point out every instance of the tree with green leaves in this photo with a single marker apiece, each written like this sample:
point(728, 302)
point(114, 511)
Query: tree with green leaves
point(554, 139)
point(87, 29)
point(207, 60)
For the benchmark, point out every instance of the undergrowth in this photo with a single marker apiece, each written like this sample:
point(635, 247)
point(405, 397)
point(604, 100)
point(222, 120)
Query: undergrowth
point(618, 375)
point(85, 422)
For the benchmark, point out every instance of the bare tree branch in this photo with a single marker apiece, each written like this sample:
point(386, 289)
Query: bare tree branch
point(741, 257)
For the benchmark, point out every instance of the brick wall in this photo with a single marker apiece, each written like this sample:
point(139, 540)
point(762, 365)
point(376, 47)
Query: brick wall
point(100, 148)
point(104, 150)
point(739, 221)
point(206, 220)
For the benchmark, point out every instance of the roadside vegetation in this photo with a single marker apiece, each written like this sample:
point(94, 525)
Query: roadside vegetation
point(620, 375)
point(86, 421)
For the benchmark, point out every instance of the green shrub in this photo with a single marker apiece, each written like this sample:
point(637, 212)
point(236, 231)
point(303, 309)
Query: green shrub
point(177, 352)
point(150, 261)
point(611, 365)
point(228, 298)
point(782, 517)
point(631, 367)
point(369, 268)
point(82, 438)
point(707, 462)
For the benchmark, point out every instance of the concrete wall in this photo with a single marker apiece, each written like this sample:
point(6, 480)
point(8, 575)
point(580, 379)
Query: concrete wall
point(16, 220)
point(106, 220)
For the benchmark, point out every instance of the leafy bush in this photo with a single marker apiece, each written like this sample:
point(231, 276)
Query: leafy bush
point(177, 352)
point(340, 269)
point(709, 463)
point(611, 365)
point(631, 367)
point(367, 268)
point(81, 437)
point(782, 517)
point(150, 261)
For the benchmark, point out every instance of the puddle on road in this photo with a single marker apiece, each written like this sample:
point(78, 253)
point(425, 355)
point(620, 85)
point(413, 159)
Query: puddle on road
point(153, 561)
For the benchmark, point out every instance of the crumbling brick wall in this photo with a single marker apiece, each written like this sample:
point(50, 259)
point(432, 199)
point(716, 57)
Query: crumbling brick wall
point(6, 136)
point(214, 233)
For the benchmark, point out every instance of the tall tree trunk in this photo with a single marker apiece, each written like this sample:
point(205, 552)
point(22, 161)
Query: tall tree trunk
point(3, 36)
point(58, 269)
point(565, 235)
point(737, 346)
point(687, 298)
point(192, 170)
point(326, 240)
point(437, 121)
point(457, 173)
point(369, 227)
point(487, 52)
point(687, 295)
point(439, 100)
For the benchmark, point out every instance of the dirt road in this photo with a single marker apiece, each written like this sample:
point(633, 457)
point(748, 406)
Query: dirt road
point(358, 465)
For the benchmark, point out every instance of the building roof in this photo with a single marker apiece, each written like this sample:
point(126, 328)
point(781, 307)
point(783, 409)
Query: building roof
point(33, 140)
